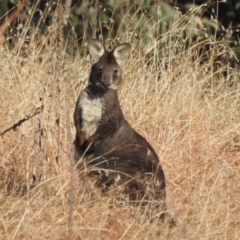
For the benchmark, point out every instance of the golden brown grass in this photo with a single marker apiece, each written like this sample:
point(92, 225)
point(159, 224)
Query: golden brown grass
point(189, 115)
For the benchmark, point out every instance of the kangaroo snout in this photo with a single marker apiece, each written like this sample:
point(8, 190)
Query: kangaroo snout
point(106, 84)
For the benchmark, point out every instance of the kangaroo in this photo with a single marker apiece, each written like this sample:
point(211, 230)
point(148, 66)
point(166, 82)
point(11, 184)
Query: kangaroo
point(107, 145)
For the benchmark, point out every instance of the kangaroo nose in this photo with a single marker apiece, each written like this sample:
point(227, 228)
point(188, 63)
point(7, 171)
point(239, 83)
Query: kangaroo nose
point(106, 84)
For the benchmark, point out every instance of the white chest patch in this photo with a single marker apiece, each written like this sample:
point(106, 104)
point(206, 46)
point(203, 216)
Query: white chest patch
point(91, 113)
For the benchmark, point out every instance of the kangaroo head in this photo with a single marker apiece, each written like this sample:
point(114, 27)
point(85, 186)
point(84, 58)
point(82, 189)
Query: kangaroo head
point(106, 72)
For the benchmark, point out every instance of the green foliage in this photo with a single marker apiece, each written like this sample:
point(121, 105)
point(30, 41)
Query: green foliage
point(146, 20)
point(3, 8)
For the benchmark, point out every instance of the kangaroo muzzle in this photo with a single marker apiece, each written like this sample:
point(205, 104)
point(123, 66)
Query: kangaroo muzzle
point(106, 84)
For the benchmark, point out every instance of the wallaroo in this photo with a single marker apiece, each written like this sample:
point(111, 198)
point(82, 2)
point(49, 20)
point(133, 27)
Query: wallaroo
point(114, 154)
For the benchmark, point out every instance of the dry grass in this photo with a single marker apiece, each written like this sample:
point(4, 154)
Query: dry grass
point(193, 126)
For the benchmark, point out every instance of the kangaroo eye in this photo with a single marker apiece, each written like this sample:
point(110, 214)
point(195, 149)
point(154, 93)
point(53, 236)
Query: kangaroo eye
point(100, 69)
point(115, 71)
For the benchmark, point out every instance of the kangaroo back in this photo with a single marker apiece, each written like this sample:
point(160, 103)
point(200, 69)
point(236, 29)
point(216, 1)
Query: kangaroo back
point(115, 154)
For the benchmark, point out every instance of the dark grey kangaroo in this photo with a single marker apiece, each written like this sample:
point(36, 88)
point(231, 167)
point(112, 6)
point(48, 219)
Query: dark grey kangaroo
point(111, 150)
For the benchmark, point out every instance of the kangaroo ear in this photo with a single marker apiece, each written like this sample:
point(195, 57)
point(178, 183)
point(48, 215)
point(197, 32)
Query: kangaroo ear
point(121, 53)
point(96, 49)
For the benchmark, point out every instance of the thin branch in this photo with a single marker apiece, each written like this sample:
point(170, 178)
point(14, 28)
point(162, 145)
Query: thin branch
point(15, 125)
point(12, 15)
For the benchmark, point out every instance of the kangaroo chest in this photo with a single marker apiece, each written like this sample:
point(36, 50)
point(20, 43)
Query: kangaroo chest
point(92, 111)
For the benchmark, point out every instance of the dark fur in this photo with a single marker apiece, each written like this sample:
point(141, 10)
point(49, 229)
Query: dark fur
point(116, 149)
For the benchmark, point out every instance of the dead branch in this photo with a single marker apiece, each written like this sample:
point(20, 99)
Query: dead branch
point(15, 125)
point(10, 17)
